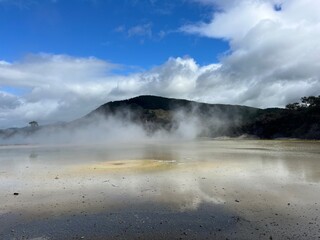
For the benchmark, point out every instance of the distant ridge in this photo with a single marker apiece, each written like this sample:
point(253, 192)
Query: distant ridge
point(150, 102)
point(158, 102)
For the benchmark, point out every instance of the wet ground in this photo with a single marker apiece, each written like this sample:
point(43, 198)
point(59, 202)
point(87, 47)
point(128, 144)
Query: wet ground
point(205, 189)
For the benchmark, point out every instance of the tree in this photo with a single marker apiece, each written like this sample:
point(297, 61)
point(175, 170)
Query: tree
point(293, 106)
point(311, 101)
point(306, 102)
point(34, 124)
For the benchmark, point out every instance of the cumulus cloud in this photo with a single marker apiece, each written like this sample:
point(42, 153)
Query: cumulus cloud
point(57, 88)
point(274, 51)
point(63, 88)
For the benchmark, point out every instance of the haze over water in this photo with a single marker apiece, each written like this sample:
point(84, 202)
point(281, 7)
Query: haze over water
point(235, 189)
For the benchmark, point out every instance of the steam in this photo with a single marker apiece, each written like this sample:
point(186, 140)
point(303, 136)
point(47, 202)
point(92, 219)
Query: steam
point(127, 126)
point(105, 130)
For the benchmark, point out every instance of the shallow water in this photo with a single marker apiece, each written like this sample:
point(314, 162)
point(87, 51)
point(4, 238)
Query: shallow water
point(235, 189)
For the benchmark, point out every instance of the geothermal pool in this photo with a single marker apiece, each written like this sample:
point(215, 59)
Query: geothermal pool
point(204, 189)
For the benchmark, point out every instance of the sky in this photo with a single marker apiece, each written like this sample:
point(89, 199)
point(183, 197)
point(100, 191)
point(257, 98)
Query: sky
point(60, 59)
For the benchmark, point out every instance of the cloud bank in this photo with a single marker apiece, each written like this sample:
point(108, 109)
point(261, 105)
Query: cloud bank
point(274, 51)
point(273, 60)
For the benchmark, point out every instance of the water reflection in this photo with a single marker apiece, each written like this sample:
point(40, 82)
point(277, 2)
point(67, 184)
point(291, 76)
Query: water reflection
point(250, 179)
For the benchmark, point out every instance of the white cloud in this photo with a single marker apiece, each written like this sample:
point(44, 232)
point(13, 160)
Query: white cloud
point(274, 55)
point(63, 88)
point(141, 30)
point(8, 101)
point(235, 20)
point(58, 87)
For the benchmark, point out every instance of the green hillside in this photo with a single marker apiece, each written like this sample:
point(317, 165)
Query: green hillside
point(297, 120)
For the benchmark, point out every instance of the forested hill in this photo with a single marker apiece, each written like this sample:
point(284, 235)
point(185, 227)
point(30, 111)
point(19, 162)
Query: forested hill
point(167, 113)
point(149, 106)
point(298, 120)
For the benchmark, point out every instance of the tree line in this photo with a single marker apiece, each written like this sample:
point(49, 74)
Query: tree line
point(305, 102)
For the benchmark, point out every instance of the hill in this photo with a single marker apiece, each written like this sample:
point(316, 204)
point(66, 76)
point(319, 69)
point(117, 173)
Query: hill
point(211, 120)
point(156, 113)
point(218, 119)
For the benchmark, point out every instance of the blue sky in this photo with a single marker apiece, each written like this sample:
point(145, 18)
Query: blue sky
point(60, 59)
point(140, 34)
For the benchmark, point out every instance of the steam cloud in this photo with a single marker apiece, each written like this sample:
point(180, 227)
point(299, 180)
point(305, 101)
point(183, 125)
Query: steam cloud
point(100, 129)
point(182, 123)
